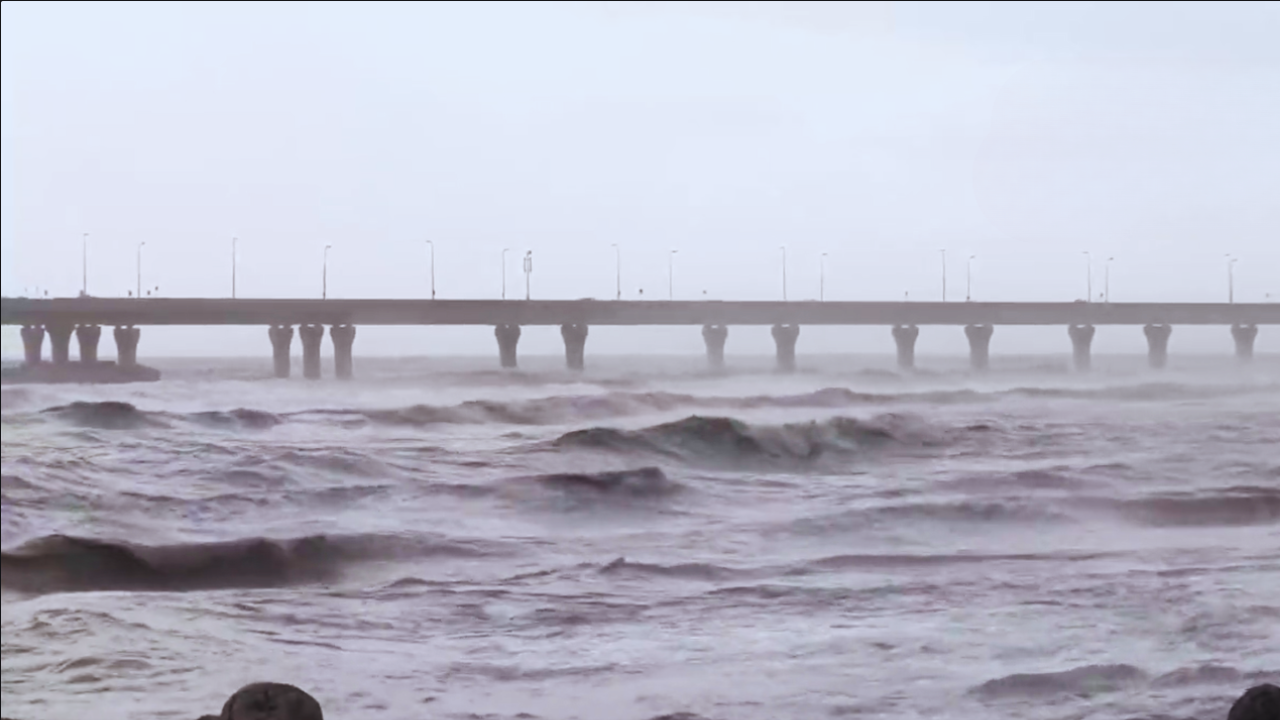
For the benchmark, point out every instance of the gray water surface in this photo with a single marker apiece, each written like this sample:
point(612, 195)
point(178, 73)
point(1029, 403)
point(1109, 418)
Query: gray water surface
point(434, 540)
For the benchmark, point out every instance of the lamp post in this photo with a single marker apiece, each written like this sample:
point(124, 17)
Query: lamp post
point(968, 279)
point(671, 275)
point(233, 268)
point(84, 265)
point(783, 248)
point(324, 275)
point(822, 278)
point(528, 271)
point(1106, 282)
point(944, 274)
point(432, 245)
point(618, 267)
point(1231, 279)
point(1088, 262)
point(504, 272)
point(139, 280)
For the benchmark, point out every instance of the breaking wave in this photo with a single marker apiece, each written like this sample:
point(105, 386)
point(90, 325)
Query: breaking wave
point(106, 415)
point(646, 482)
point(565, 409)
point(699, 438)
point(62, 563)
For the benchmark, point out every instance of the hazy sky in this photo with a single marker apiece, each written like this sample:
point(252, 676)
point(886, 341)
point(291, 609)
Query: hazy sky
point(1022, 133)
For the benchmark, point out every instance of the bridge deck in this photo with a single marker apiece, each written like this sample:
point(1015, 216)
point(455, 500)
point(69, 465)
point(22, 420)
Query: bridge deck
point(225, 311)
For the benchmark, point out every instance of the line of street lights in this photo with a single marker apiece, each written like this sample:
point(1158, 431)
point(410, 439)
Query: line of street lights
point(528, 271)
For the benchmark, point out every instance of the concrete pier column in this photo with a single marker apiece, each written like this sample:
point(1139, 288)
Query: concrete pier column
point(1157, 344)
point(127, 338)
point(1081, 345)
point(979, 345)
point(575, 344)
point(32, 344)
point(715, 337)
point(905, 338)
point(311, 335)
point(60, 343)
point(88, 336)
point(1244, 335)
point(281, 340)
point(508, 340)
point(344, 337)
point(785, 336)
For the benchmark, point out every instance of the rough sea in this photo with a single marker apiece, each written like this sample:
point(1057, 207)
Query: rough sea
point(436, 539)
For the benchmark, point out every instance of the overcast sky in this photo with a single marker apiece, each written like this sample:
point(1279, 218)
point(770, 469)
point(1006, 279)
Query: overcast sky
point(879, 133)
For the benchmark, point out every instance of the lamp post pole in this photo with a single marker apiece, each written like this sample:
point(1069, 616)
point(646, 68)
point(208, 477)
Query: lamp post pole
point(432, 245)
point(139, 280)
point(324, 275)
point(618, 267)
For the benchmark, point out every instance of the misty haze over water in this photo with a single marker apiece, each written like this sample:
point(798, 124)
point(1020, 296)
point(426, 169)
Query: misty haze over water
point(441, 538)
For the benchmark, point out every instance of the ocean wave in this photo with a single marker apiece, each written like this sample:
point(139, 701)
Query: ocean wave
point(645, 482)
point(240, 418)
point(1232, 507)
point(683, 571)
point(1090, 680)
point(62, 563)
point(105, 415)
point(1083, 681)
point(699, 438)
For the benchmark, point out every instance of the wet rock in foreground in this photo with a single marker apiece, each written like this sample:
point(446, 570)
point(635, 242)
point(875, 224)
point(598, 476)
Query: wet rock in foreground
point(1261, 702)
point(269, 701)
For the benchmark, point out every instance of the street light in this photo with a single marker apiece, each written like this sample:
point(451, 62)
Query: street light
point(84, 265)
point(233, 268)
point(783, 248)
point(139, 285)
point(528, 270)
point(1230, 278)
point(432, 245)
point(1088, 261)
point(968, 279)
point(324, 275)
point(671, 275)
point(944, 274)
point(822, 278)
point(618, 265)
point(1106, 282)
point(504, 272)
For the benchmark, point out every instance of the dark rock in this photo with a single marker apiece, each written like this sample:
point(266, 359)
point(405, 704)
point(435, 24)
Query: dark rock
point(271, 701)
point(1261, 702)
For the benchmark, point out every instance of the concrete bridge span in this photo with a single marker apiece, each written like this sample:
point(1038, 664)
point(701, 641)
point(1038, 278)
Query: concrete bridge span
point(61, 318)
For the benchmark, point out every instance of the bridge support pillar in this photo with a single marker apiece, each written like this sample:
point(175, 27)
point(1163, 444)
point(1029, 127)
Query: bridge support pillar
point(979, 345)
point(311, 335)
point(87, 336)
point(904, 336)
point(60, 343)
point(575, 345)
point(1244, 335)
point(281, 340)
point(32, 344)
point(1157, 344)
point(344, 337)
point(715, 337)
point(508, 341)
point(785, 336)
point(127, 338)
point(1081, 345)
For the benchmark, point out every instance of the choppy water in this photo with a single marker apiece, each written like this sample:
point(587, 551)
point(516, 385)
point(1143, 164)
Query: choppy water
point(434, 541)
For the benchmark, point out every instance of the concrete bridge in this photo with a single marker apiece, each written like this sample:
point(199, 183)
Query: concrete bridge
point(60, 318)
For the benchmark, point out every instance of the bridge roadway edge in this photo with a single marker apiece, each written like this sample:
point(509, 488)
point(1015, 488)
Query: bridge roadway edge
point(268, 312)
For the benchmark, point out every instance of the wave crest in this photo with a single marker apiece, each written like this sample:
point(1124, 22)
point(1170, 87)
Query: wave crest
point(63, 563)
point(724, 438)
